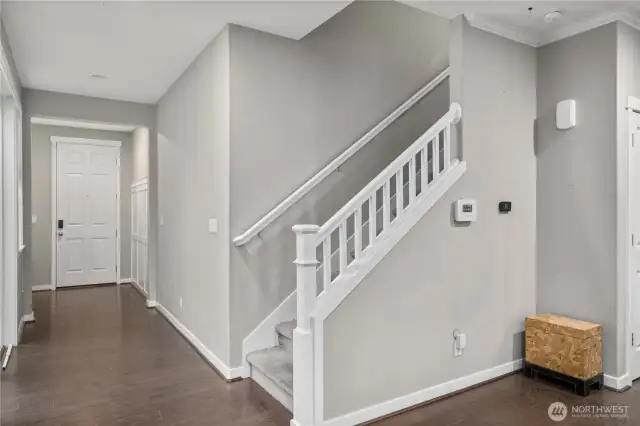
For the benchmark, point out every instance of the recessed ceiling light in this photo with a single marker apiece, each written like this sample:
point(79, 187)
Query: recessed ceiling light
point(98, 75)
point(552, 16)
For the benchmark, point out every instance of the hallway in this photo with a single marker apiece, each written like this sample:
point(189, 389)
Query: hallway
point(97, 356)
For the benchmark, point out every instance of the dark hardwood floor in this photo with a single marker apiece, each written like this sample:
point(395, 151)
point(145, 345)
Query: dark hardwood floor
point(97, 356)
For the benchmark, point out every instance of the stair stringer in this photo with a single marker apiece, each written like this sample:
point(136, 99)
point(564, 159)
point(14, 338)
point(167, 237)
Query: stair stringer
point(344, 284)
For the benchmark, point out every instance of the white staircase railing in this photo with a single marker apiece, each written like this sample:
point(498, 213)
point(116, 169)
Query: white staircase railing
point(331, 259)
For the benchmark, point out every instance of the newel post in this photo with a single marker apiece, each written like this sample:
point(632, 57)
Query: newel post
point(303, 383)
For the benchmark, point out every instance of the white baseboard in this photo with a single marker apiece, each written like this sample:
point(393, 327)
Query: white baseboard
point(140, 289)
point(264, 335)
point(273, 389)
point(29, 317)
point(125, 281)
point(388, 407)
point(150, 303)
point(227, 373)
point(43, 287)
point(616, 383)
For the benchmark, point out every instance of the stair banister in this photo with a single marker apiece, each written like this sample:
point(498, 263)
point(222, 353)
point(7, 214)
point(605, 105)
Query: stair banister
point(303, 190)
point(314, 304)
point(451, 117)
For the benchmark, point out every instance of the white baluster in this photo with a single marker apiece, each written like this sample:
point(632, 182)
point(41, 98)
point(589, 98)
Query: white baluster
point(343, 250)
point(424, 170)
point(399, 192)
point(373, 215)
point(386, 205)
point(326, 262)
point(412, 180)
point(357, 232)
point(447, 147)
point(435, 152)
point(303, 377)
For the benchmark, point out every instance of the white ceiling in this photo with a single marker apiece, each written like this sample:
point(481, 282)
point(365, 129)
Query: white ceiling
point(142, 47)
point(512, 19)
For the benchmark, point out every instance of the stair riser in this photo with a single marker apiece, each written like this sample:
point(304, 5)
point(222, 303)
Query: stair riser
point(285, 342)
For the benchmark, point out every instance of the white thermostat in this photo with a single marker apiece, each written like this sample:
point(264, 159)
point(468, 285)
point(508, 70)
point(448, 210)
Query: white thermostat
point(465, 210)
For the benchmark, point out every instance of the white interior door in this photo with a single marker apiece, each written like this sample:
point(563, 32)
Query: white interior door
point(87, 179)
point(634, 224)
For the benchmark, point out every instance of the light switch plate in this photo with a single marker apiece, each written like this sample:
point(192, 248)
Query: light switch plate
point(213, 226)
point(34, 219)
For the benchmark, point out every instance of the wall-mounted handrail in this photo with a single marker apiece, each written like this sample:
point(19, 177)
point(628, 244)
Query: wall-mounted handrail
point(303, 190)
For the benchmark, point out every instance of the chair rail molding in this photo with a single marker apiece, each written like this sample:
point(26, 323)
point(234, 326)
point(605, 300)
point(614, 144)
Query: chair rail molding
point(303, 190)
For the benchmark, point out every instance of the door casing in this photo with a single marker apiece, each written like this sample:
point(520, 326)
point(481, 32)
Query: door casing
point(55, 140)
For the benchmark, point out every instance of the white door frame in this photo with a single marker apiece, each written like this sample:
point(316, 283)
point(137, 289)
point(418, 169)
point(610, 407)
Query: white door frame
point(633, 106)
point(55, 140)
point(134, 185)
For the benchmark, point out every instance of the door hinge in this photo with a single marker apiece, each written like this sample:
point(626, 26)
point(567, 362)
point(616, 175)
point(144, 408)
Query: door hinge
point(633, 343)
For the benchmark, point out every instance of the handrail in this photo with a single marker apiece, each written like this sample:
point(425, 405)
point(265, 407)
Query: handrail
point(452, 116)
point(303, 190)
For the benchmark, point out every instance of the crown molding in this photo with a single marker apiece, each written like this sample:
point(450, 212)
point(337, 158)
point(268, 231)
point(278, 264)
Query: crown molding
point(501, 29)
point(530, 38)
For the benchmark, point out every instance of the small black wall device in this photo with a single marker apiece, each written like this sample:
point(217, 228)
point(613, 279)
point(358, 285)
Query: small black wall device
point(504, 206)
point(60, 223)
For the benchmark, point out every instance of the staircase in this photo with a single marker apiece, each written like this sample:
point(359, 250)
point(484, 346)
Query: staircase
point(333, 259)
point(272, 368)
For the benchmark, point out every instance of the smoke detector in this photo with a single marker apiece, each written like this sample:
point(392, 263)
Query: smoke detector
point(552, 16)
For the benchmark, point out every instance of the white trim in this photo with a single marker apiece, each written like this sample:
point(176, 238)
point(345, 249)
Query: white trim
point(143, 181)
point(150, 303)
point(424, 395)
point(624, 244)
point(84, 141)
point(42, 287)
point(7, 355)
point(227, 372)
point(303, 190)
point(29, 318)
point(22, 248)
point(125, 281)
point(617, 383)
point(264, 335)
point(332, 296)
point(55, 140)
point(82, 124)
point(272, 388)
point(535, 39)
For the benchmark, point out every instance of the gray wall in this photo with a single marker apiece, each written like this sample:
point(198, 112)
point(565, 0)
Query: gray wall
point(193, 126)
point(393, 335)
point(40, 261)
point(38, 103)
point(576, 184)
point(295, 106)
